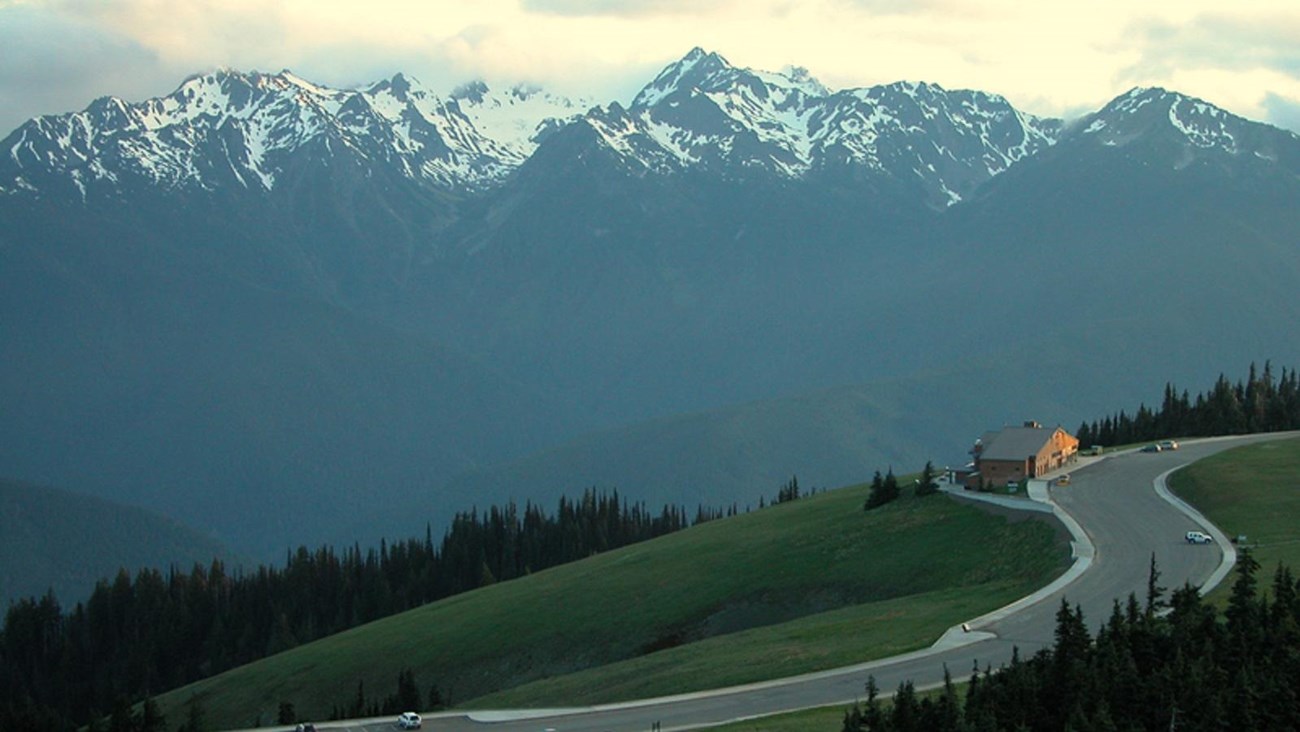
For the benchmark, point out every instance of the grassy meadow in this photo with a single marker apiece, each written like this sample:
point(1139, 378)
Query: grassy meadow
point(791, 588)
point(1252, 490)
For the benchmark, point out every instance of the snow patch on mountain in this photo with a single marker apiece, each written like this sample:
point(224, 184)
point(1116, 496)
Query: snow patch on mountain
point(703, 112)
point(253, 130)
point(228, 127)
point(515, 118)
point(1201, 124)
point(1196, 130)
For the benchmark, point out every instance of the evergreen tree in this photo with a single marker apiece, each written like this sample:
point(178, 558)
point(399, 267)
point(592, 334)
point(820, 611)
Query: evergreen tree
point(1242, 613)
point(947, 715)
point(873, 717)
point(905, 715)
point(876, 495)
point(1155, 592)
point(926, 484)
point(852, 719)
point(408, 694)
point(883, 490)
point(891, 489)
point(358, 708)
point(789, 491)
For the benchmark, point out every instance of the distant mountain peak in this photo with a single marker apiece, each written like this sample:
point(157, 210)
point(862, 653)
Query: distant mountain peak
point(702, 112)
point(1186, 122)
point(399, 84)
point(691, 70)
point(229, 128)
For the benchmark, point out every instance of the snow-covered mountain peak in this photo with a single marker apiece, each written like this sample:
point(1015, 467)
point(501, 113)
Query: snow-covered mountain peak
point(703, 112)
point(242, 128)
point(400, 87)
point(694, 70)
point(252, 130)
point(1191, 125)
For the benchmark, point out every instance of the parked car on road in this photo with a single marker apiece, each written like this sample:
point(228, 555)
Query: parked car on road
point(1199, 537)
point(409, 720)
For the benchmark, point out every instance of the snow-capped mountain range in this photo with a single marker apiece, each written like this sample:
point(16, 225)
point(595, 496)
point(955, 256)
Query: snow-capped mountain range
point(702, 111)
point(229, 128)
point(243, 129)
point(261, 292)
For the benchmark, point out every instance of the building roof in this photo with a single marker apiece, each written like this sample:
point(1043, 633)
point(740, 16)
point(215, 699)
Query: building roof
point(1015, 443)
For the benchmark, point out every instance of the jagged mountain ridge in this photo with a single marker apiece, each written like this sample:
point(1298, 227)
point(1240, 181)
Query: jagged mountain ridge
point(237, 129)
point(729, 237)
point(233, 129)
point(702, 111)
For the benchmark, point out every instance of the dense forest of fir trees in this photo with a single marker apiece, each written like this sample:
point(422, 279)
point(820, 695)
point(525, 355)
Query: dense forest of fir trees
point(1263, 403)
point(1153, 666)
point(155, 631)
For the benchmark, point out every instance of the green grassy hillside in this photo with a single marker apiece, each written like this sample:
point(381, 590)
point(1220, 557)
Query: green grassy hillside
point(1252, 490)
point(791, 588)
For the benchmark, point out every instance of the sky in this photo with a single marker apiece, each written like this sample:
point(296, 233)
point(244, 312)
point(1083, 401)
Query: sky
point(1050, 58)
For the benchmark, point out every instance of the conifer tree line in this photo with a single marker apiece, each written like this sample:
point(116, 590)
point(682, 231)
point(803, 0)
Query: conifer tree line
point(1191, 669)
point(789, 491)
point(1262, 403)
point(155, 631)
point(886, 489)
point(882, 491)
point(407, 698)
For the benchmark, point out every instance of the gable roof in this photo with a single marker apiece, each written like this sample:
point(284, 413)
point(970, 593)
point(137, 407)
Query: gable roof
point(1015, 443)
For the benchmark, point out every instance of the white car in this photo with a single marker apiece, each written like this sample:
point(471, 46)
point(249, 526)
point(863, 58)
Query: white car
point(1198, 537)
point(1169, 445)
point(409, 720)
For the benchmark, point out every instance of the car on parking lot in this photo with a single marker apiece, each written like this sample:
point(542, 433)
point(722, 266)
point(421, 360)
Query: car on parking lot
point(1198, 537)
point(409, 720)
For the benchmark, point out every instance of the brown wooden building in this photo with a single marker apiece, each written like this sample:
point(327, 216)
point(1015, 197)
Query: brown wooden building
point(1013, 454)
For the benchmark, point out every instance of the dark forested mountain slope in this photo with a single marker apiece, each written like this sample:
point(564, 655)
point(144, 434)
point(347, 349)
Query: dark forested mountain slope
point(295, 314)
point(53, 540)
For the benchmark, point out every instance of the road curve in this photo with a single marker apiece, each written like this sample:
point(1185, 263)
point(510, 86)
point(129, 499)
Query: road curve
point(1114, 503)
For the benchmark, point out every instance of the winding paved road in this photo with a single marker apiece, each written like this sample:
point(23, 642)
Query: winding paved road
point(1115, 505)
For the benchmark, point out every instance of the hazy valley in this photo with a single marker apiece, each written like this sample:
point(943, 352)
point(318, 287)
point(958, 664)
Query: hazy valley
point(286, 314)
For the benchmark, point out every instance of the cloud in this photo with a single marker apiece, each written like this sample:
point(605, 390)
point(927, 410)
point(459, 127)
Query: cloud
point(627, 8)
point(51, 64)
point(1218, 41)
point(1282, 112)
point(1047, 57)
point(912, 7)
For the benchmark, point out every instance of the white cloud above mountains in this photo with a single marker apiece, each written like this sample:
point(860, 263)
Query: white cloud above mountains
point(1049, 57)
